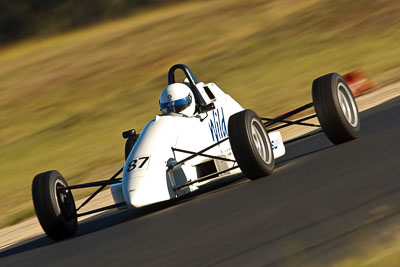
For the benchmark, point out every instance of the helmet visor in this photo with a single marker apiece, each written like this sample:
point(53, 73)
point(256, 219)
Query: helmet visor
point(176, 106)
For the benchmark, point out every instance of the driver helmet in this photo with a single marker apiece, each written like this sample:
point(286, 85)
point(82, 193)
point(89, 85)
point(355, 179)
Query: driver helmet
point(177, 98)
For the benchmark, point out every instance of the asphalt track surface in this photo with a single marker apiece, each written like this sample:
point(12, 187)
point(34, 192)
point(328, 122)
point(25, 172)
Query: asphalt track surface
point(322, 204)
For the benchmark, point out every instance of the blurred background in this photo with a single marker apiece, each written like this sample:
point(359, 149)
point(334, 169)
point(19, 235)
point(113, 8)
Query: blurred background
point(75, 74)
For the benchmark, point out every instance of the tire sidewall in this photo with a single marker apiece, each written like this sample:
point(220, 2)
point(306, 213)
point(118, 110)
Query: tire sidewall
point(58, 220)
point(335, 82)
point(268, 166)
point(68, 217)
point(325, 94)
point(243, 146)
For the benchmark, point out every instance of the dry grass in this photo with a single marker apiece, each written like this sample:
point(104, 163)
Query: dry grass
point(65, 100)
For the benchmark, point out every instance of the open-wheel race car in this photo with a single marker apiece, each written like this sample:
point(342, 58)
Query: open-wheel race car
point(202, 135)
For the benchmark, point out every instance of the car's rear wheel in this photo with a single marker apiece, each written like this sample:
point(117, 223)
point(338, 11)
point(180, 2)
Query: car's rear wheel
point(55, 208)
point(131, 137)
point(130, 142)
point(250, 144)
point(336, 108)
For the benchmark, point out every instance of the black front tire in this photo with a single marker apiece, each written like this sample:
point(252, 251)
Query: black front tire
point(54, 208)
point(250, 144)
point(336, 108)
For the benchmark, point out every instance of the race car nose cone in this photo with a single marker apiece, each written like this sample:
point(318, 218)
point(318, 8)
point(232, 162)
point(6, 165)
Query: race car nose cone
point(148, 188)
point(129, 190)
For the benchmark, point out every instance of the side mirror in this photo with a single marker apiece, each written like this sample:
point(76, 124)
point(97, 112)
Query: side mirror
point(129, 133)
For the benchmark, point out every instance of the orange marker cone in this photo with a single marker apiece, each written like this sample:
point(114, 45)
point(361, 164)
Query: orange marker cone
point(359, 81)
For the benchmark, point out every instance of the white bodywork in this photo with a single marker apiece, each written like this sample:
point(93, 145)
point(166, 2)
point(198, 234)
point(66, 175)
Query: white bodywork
point(146, 177)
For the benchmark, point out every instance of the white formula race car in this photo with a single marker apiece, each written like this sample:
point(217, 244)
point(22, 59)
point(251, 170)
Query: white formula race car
point(176, 154)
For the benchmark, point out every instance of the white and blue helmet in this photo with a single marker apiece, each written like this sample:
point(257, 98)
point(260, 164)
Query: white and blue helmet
point(177, 98)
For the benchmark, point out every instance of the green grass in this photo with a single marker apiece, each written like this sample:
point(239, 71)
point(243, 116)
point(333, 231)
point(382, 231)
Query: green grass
point(64, 101)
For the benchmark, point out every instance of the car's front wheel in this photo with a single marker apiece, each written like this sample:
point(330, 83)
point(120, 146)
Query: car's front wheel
point(55, 208)
point(250, 144)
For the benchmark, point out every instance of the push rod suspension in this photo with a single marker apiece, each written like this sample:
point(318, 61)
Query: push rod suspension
point(296, 122)
point(102, 209)
point(99, 189)
point(204, 178)
point(201, 154)
point(92, 184)
point(287, 114)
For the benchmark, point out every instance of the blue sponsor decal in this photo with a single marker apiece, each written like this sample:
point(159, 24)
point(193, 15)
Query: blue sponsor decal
point(217, 125)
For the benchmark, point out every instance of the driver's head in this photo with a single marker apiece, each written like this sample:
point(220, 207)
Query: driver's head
point(177, 98)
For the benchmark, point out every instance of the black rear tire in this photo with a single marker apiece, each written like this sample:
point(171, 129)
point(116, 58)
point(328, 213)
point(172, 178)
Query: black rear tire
point(336, 108)
point(55, 209)
point(130, 142)
point(250, 144)
point(131, 137)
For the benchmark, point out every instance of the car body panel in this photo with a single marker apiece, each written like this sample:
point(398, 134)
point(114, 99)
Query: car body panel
point(148, 176)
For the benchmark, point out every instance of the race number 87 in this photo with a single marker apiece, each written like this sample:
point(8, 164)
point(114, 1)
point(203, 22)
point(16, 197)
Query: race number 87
point(138, 164)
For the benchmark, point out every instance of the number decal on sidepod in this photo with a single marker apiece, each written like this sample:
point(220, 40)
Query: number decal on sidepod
point(138, 164)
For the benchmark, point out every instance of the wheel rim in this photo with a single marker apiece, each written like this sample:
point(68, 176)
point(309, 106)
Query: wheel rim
point(260, 140)
point(347, 104)
point(64, 200)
